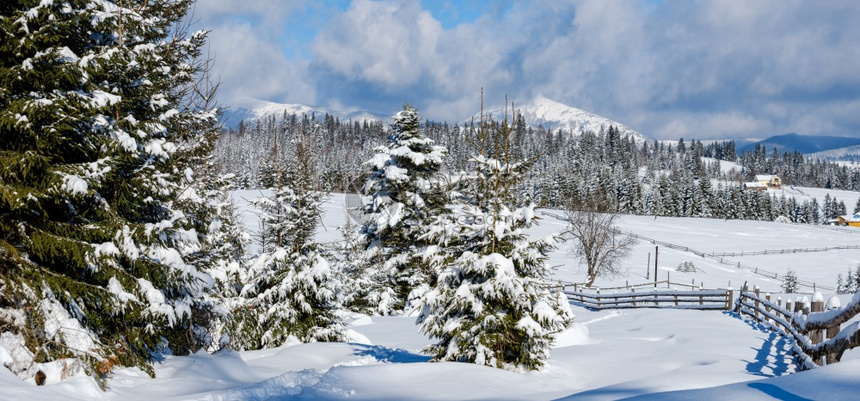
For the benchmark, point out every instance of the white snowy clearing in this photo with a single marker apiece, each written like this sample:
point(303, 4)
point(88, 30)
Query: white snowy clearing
point(610, 354)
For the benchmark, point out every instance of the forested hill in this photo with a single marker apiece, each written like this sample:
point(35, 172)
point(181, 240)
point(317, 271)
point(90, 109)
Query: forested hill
point(624, 175)
point(805, 144)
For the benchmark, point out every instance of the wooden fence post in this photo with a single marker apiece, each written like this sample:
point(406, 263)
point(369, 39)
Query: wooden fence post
point(560, 292)
point(633, 290)
point(656, 254)
point(648, 268)
point(832, 331)
point(729, 298)
point(757, 293)
point(779, 311)
point(767, 306)
point(741, 296)
point(817, 336)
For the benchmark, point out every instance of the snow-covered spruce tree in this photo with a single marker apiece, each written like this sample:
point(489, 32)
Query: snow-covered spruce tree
point(856, 279)
point(403, 192)
point(220, 251)
point(291, 291)
point(95, 138)
point(840, 285)
point(205, 210)
point(489, 305)
point(789, 282)
point(850, 287)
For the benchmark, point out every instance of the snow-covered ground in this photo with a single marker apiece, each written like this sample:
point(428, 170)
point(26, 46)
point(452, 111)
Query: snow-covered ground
point(640, 354)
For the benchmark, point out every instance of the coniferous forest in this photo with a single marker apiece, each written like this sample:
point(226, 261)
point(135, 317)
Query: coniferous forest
point(614, 172)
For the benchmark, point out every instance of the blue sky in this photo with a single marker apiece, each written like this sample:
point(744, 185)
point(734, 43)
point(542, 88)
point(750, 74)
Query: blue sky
point(670, 69)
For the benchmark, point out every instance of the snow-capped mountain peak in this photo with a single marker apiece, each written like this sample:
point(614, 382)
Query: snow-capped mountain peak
point(554, 115)
point(251, 109)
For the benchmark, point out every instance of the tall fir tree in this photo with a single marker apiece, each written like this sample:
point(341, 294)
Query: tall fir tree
point(291, 289)
point(404, 191)
point(97, 142)
point(221, 249)
point(489, 305)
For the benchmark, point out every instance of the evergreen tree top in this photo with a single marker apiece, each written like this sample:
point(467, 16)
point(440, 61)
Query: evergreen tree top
point(407, 123)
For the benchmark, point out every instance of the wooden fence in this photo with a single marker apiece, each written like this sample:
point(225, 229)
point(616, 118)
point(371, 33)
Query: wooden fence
point(753, 269)
point(783, 251)
point(819, 337)
point(592, 298)
point(720, 256)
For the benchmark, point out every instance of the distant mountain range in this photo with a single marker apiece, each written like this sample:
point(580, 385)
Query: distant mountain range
point(250, 109)
point(554, 115)
point(806, 144)
point(540, 112)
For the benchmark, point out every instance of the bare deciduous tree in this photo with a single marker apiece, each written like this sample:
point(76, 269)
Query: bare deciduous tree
point(598, 241)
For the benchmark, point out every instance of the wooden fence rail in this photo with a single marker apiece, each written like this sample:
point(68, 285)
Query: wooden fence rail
point(819, 337)
point(654, 284)
point(783, 251)
point(687, 299)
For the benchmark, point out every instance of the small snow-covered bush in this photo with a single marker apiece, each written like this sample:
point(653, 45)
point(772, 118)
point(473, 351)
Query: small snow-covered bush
point(686, 267)
point(782, 219)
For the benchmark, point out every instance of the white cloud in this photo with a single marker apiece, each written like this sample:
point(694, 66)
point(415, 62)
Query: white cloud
point(249, 66)
point(687, 68)
point(269, 14)
point(249, 58)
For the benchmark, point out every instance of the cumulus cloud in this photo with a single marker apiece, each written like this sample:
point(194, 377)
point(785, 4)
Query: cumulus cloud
point(382, 43)
point(669, 69)
point(267, 14)
point(250, 60)
point(249, 66)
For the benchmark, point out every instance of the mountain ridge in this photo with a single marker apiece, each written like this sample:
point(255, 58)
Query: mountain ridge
point(554, 115)
point(805, 144)
point(540, 111)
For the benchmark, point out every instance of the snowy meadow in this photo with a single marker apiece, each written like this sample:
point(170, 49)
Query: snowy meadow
point(608, 354)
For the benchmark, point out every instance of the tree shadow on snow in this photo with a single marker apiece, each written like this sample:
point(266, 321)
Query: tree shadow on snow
point(384, 354)
point(777, 392)
point(773, 355)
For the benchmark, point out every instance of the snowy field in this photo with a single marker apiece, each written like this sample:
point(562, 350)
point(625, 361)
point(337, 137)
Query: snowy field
point(605, 355)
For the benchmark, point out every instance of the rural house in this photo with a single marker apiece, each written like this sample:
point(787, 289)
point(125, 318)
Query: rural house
point(769, 181)
point(755, 186)
point(852, 220)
